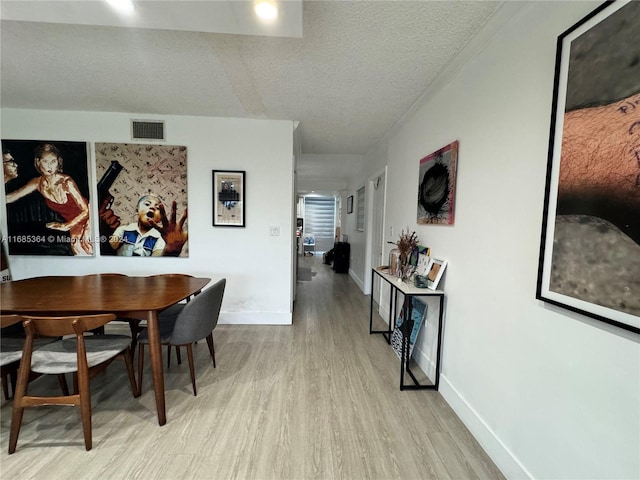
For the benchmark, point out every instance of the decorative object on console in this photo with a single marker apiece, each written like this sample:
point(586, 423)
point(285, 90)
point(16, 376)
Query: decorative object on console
point(434, 272)
point(418, 314)
point(407, 247)
point(420, 281)
point(394, 262)
point(424, 254)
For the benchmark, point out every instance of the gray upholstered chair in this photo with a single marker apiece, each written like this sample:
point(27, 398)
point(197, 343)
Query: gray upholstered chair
point(171, 309)
point(84, 356)
point(185, 323)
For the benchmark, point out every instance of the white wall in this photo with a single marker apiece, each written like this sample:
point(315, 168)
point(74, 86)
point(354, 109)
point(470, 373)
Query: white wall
point(258, 286)
point(548, 393)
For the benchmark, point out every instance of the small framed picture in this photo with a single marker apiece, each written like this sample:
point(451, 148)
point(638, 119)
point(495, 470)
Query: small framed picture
point(423, 261)
point(350, 204)
point(228, 198)
point(435, 269)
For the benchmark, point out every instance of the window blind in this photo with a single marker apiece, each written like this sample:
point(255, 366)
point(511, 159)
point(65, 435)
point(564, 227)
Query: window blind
point(320, 215)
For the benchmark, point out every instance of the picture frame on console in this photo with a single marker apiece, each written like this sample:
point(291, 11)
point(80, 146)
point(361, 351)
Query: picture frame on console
point(435, 270)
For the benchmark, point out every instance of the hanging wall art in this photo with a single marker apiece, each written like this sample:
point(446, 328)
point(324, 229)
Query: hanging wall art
point(590, 244)
point(142, 199)
point(437, 187)
point(228, 198)
point(47, 198)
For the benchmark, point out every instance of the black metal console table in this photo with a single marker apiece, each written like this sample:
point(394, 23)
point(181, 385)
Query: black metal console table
point(409, 291)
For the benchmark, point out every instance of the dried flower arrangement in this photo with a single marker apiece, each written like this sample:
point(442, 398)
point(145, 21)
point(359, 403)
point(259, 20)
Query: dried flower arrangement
point(407, 242)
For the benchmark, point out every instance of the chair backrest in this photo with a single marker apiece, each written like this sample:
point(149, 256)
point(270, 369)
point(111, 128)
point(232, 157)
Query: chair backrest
point(199, 317)
point(68, 325)
point(61, 326)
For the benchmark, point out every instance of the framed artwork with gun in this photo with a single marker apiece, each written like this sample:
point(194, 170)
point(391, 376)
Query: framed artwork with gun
point(142, 199)
point(47, 198)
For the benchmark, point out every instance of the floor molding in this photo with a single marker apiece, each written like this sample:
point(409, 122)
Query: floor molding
point(255, 318)
point(504, 459)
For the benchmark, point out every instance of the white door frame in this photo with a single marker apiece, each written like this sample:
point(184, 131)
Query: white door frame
point(369, 223)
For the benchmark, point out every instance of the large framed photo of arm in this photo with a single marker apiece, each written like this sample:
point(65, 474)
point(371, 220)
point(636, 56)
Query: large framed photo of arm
point(228, 198)
point(590, 244)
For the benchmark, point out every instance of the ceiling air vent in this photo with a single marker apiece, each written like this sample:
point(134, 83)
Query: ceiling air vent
point(147, 130)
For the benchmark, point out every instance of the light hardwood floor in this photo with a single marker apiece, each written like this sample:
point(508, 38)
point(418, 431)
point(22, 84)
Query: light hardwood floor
point(315, 400)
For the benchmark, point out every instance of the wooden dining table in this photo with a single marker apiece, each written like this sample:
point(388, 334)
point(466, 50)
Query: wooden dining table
point(125, 296)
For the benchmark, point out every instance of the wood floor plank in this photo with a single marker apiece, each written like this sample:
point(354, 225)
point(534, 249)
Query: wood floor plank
point(315, 400)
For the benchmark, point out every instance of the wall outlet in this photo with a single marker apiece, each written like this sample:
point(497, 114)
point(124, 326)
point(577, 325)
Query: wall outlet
point(274, 231)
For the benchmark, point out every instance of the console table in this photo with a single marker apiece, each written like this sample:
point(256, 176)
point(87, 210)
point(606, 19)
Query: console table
point(409, 291)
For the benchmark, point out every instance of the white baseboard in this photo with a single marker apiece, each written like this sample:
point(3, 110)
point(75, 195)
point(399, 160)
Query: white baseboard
point(356, 279)
point(255, 318)
point(504, 459)
point(506, 462)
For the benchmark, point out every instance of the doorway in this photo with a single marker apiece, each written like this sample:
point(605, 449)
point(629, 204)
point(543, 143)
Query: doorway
point(375, 237)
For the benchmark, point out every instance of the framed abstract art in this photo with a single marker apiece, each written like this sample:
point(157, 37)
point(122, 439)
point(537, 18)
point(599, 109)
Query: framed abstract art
point(437, 187)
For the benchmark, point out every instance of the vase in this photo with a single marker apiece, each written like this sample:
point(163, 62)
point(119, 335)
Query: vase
point(406, 269)
point(394, 262)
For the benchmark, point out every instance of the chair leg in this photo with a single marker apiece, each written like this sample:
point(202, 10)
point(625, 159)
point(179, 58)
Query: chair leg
point(191, 367)
point(140, 366)
point(62, 380)
point(85, 408)
point(212, 349)
point(5, 386)
point(177, 355)
point(76, 387)
point(18, 407)
point(132, 378)
point(134, 326)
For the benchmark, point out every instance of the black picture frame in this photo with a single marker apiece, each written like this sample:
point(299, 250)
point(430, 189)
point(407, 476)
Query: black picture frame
point(228, 198)
point(350, 204)
point(589, 258)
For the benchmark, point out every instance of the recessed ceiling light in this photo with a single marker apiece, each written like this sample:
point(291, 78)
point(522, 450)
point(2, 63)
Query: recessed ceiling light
point(266, 9)
point(124, 6)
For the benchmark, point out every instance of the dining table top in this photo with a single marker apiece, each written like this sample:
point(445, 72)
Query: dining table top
point(96, 293)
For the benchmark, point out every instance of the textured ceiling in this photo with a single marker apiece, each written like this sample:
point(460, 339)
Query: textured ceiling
point(357, 68)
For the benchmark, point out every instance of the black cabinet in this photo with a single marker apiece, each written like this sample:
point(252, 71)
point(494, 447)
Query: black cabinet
point(341, 257)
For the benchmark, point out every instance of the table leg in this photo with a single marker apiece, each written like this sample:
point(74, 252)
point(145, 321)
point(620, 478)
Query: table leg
point(155, 354)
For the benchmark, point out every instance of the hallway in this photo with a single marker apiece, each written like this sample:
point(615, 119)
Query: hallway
point(315, 400)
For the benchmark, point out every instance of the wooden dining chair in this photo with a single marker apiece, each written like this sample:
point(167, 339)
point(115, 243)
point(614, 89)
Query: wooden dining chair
point(11, 345)
point(83, 356)
point(185, 323)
